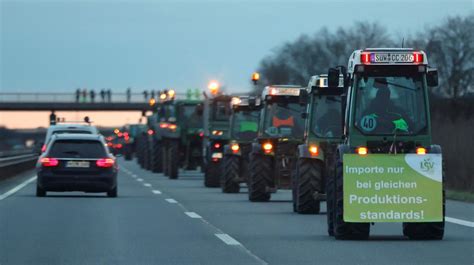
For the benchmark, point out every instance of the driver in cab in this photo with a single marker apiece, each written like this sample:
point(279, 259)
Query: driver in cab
point(385, 115)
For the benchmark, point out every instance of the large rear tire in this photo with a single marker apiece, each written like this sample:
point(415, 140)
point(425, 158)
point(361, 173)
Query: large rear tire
point(261, 168)
point(211, 175)
point(343, 230)
point(309, 179)
point(157, 166)
point(231, 174)
point(165, 158)
point(173, 156)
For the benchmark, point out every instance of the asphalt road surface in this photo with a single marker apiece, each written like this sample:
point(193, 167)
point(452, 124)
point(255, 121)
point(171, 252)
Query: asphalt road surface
point(160, 221)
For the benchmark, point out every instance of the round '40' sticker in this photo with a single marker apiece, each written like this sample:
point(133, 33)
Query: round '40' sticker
point(368, 122)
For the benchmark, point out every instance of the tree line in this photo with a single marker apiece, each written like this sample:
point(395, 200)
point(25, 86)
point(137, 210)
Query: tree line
point(449, 47)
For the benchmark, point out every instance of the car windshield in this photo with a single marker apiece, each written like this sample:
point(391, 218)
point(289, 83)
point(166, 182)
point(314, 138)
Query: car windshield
point(284, 120)
point(326, 116)
point(221, 110)
point(390, 104)
point(77, 149)
point(190, 115)
point(245, 124)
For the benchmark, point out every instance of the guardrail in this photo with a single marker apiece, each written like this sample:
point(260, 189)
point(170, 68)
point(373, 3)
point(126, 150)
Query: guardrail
point(15, 161)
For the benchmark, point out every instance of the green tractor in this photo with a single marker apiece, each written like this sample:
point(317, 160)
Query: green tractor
point(281, 130)
point(152, 160)
point(387, 169)
point(243, 130)
point(181, 131)
point(316, 155)
point(217, 113)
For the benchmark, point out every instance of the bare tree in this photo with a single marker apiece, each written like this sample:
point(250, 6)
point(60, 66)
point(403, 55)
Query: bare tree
point(295, 62)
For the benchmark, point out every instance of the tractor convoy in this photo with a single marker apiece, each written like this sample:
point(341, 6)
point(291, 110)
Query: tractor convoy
point(357, 138)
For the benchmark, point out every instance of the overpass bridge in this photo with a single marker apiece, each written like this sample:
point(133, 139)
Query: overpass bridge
point(70, 102)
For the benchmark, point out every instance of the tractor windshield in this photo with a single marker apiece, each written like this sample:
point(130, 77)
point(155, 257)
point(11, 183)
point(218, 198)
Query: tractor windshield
point(221, 111)
point(190, 116)
point(390, 105)
point(245, 124)
point(326, 117)
point(284, 120)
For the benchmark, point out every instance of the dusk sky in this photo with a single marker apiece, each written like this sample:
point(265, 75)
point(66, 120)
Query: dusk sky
point(57, 46)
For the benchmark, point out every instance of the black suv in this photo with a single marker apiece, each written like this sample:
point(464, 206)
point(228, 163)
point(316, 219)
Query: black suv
point(77, 162)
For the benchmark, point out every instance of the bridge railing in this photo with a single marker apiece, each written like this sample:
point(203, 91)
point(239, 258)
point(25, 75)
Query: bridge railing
point(72, 98)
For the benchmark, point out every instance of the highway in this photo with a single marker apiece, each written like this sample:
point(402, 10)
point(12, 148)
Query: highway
point(160, 221)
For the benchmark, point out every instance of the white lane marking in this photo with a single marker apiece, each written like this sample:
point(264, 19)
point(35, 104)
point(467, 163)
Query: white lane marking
point(192, 214)
point(147, 185)
point(134, 176)
point(459, 221)
point(17, 188)
point(156, 191)
point(228, 239)
point(139, 179)
point(171, 200)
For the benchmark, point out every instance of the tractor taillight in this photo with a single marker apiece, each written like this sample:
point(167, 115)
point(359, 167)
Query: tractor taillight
point(235, 148)
point(421, 151)
point(267, 147)
point(313, 150)
point(362, 150)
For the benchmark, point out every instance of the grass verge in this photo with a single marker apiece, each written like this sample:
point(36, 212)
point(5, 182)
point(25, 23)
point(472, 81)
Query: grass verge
point(460, 195)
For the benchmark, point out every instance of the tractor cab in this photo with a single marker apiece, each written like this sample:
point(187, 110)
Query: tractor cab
point(280, 131)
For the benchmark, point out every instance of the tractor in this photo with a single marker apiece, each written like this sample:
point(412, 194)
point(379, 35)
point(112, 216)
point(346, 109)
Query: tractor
point(243, 130)
point(280, 131)
point(386, 169)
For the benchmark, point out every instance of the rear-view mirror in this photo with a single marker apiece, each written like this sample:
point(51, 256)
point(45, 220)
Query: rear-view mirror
point(432, 77)
point(333, 77)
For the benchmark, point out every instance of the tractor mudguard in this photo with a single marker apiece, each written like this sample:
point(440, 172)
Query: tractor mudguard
point(303, 152)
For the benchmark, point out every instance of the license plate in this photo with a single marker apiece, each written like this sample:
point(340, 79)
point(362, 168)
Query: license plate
point(393, 58)
point(217, 155)
point(81, 164)
point(290, 91)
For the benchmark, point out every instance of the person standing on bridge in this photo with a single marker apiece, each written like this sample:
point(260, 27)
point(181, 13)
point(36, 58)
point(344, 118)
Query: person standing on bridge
point(78, 95)
point(152, 94)
point(92, 93)
point(84, 95)
point(129, 94)
point(109, 95)
point(102, 95)
point(145, 95)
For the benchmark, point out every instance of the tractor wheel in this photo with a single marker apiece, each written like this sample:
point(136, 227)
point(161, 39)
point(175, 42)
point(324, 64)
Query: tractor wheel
point(330, 197)
point(294, 188)
point(426, 231)
point(211, 176)
point(40, 192)
point(231, 174)
point(343, 230)
point(173, 156)
point(149, 156)
point(165, 158)
point(309, 180)
point(261, 169)
point(157, 166)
